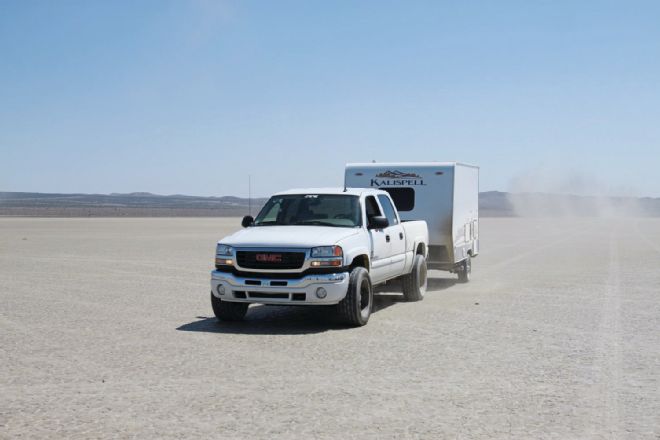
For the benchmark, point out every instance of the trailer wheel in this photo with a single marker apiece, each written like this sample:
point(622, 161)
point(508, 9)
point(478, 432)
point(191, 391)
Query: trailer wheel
point(228, 311)
point(356, 306)
point(464, 270)
point(415, 283)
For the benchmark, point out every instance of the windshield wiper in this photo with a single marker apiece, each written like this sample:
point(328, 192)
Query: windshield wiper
point(317, 222)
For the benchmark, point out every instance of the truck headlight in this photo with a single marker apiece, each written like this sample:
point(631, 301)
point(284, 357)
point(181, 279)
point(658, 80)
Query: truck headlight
point(331, 256)
point(327, 252)
point(224, 250)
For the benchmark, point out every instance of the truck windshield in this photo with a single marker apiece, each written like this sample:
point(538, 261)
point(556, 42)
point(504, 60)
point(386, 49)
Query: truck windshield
point(311, 209)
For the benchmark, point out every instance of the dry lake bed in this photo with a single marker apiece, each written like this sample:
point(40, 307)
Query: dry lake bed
point(106, 331)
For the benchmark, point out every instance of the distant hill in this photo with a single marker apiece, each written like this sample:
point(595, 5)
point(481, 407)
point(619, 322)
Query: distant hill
point(141, 204)
point(138, 204)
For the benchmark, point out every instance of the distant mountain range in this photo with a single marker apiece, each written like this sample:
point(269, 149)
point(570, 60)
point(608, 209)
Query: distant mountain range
point(136, 204)
point(141, 204)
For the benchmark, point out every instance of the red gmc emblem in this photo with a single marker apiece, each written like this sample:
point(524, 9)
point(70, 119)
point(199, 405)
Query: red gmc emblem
point(269, 258)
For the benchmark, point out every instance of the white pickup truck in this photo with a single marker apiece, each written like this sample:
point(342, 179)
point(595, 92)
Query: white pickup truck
point(320, 247)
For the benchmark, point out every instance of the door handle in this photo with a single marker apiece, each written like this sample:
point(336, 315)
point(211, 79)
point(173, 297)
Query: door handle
point(387, 238)
point(401, 235)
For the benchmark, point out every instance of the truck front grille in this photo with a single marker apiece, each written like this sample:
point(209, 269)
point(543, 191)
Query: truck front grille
point(270, 259)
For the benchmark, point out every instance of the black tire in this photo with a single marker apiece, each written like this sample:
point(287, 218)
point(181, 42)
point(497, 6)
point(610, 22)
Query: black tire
point(228, 311)
point(414, 284)
point(465, 270)
point(356, 306)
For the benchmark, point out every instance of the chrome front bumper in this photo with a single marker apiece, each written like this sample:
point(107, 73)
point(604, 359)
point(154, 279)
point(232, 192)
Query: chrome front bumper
point(295, 291)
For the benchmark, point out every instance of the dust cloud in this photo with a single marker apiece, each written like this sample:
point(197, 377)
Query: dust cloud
point(546, 192)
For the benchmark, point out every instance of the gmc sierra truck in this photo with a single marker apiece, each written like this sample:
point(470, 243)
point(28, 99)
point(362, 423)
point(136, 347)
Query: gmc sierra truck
point(320, 247)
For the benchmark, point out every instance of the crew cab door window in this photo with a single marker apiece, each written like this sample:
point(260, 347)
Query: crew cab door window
point(397, 238)
point(389, 210)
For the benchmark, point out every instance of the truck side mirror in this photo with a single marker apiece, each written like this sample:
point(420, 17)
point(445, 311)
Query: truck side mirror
point(247, 221)
point(378, 222)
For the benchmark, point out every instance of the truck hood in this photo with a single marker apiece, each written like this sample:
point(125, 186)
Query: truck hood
point(288, 236)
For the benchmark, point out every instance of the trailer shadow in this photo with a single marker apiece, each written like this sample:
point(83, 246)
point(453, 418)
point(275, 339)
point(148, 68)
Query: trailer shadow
point(434, 285)
point(438, 284)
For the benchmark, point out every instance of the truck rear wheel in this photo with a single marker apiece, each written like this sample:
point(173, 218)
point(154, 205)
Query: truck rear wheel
point(228, 311)
point(414, 284)
point(464, 270)
point(356, 306)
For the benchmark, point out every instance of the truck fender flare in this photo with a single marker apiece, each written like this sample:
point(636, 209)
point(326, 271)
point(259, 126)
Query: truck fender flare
point(421, 248)
point(361, 259)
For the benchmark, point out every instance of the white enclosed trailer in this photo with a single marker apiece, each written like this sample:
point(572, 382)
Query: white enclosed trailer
point(445, 194)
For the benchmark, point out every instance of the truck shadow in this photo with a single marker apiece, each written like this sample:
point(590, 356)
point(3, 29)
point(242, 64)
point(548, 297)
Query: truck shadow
point(283, 320)
point(295, 320)
point(271, 320)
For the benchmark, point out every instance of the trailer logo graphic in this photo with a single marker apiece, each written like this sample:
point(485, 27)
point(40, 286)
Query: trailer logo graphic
point(397, 178)
point(396, 174)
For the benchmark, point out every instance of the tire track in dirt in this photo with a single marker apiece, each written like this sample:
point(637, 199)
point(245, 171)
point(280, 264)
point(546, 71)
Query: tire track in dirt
point(652, 245)
point(608, 354)
point(498, 284)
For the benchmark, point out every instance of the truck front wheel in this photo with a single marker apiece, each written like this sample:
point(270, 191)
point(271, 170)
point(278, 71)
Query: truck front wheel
point(414, 284)
point(356, 306)
point(228, 311)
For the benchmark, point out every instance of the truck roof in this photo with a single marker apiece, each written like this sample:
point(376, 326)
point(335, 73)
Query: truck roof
point(409, 164)
point(339, 191)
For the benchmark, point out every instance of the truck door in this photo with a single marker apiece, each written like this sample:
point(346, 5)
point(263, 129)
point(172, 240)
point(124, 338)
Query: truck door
point(396, 236)
point(380, 246)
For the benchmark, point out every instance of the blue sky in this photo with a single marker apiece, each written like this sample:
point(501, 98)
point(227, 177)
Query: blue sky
point(190, 97)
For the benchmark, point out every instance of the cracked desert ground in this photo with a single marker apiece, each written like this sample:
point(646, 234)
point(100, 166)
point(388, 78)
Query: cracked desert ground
point(106, 331)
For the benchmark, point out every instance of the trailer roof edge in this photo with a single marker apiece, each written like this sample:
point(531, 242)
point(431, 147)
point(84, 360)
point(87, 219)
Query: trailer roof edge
point(410, 164)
